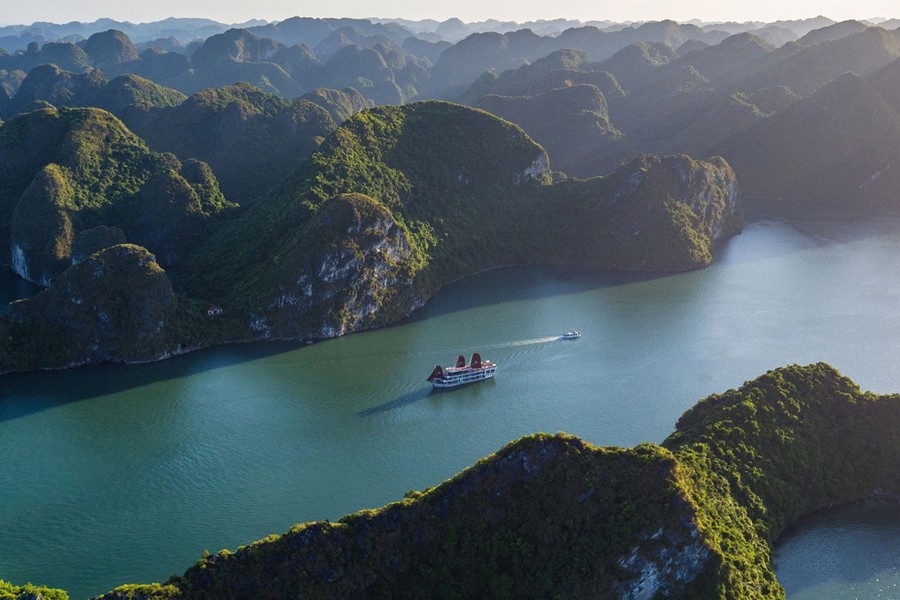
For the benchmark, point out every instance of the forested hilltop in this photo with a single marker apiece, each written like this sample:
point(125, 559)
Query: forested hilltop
point(551, 515)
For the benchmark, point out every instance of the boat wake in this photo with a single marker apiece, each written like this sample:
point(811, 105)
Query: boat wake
point(542, 340)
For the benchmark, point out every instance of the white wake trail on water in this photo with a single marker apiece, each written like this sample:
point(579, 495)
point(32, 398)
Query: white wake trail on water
point(541, 340)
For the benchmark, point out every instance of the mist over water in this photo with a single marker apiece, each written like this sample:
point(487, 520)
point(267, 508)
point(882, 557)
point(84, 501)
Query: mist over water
point(117, 474)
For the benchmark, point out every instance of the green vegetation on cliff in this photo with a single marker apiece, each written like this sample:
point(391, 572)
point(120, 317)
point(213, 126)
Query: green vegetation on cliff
point(793, 441)
point(654, 213)
point(49, 83)
point(542, 518)
point(447, 175)
point(396, 203)
point(552, 516)
point(131, 92)
point(572, 123)
point(250, 138)
point(340, 104)
point(558, 69)
point(9, 591)
point(788, 443)
point(64, 171)
point(117, 305)
point(470, 192)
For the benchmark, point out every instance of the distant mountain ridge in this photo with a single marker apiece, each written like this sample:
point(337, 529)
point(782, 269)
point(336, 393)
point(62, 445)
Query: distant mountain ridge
point(311, 31)
point(389, 64)
point(733, 99)
point(291, 56)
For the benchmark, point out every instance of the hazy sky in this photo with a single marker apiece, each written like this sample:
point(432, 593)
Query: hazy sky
point(233, 11)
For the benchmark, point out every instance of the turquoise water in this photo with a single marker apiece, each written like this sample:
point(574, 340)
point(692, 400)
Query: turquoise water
point(849, 553)
point(119, 474)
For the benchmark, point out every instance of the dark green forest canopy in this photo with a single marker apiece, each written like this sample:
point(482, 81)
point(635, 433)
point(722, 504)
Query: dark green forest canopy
point(474, 193)
point(65, 171)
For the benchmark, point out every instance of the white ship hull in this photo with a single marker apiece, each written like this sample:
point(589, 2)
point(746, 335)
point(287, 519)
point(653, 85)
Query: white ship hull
point(461, 373)
point(462, 379)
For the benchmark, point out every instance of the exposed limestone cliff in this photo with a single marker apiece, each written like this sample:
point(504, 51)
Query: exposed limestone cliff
point(466, 192)
point(353, 268)
point(654, 213)
point(69, 170)
point(441, 180)
point(116, 305)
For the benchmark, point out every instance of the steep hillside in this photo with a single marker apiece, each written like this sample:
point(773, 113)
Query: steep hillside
point(550, 516)
point(233, 56)
point(832, 32)
point(395, 204)
point(161, 66)
point(66, 171)
point(49, 83)
point(805, 69)
point(633, 65)
point(453, 183)
point(250, 138)
point(368, 70)
point(887, 83)
point(708, 128)
point(571, 123)
point(840, 144)
point(727, 61)
point(117, 305)
point(340, 104)
point(562, 68)
point(65, 55)
point(654, 213)
point(521, 81)
point(531, 521)
point(446, 174)
point(109, 50)
point(131, 93)
point(311, 31)
point(465, 61)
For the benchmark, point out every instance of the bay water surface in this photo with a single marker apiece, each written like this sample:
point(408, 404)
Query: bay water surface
point(116, 474)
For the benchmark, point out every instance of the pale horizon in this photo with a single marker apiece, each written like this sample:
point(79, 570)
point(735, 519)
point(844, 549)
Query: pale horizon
point(232, 12)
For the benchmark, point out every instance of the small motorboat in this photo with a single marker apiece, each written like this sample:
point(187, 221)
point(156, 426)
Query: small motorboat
point(570, 335)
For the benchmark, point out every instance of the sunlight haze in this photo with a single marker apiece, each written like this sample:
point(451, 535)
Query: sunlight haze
point(233, 11)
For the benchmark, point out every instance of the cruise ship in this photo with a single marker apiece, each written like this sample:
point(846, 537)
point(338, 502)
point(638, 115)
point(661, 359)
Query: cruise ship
point(461, 373)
